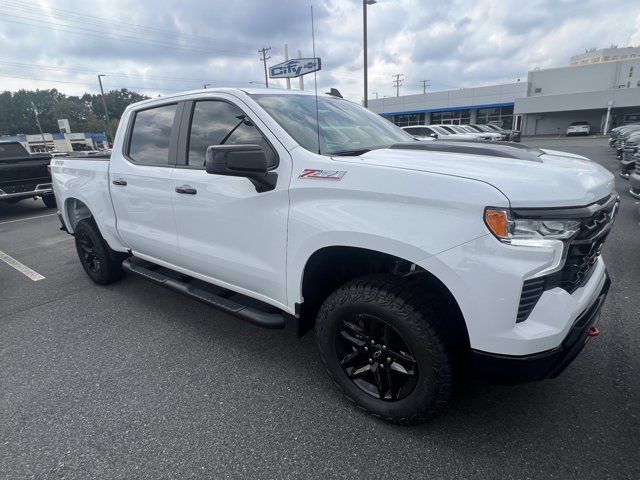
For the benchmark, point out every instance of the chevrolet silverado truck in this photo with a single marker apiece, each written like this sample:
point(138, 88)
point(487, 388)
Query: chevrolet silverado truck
point(24, 175)
point(419, 264)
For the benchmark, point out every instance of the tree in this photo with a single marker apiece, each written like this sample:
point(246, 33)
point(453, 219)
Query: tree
point(85, 113)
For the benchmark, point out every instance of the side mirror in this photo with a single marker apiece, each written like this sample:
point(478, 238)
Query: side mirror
point(250, 161)
point(434, 135)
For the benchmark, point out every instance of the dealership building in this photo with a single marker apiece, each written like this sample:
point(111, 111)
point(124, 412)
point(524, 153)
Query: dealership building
point(601, 87)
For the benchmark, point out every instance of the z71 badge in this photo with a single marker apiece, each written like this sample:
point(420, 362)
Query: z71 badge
point(322, 174)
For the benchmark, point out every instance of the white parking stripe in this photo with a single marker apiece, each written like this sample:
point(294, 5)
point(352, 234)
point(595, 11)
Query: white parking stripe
point(12, 262)
point(28, 218)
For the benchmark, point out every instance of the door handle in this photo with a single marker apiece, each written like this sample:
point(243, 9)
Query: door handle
point(186, 190)
point(120, 181)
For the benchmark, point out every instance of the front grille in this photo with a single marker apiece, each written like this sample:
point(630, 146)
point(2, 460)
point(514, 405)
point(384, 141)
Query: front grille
point(532, 290)
point(584, 249)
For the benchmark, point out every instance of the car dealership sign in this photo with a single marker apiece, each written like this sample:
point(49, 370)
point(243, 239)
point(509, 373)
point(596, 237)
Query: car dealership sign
point(294, 68)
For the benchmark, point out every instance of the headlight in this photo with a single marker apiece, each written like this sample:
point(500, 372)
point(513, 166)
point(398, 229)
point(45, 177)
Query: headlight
point(528, 232)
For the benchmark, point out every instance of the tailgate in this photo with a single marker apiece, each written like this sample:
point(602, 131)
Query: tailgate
point(20, 175)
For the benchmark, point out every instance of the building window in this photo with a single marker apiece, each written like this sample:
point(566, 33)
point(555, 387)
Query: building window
point(630, 72)
point(537, 90)
point(407, 119)
point(497, 114)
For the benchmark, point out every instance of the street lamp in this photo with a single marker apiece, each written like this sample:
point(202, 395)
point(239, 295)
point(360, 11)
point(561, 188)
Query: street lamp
point(104, 104)
point(364, 31)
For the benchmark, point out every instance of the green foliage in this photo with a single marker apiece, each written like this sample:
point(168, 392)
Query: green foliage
point(85, 114)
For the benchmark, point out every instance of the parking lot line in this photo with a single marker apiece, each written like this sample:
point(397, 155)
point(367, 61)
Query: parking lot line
point(28, 218)
point(12, 262)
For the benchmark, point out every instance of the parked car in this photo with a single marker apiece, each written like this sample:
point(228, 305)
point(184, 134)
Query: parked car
point(634, 179)
point(510, 135)
point(619, 133)
point(471, 131)
point(421, 132)
point(416, 261)
point(579, 128)
point(486, 130)
point(444, 134)
point(24, 175)
point(627, 153)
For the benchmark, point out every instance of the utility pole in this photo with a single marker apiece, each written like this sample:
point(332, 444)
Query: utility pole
point(264, 51)
point(301, 77)
point(366, 62)
point(397, 82)
point(286, 59)
point(425, 84)
point(104, 104)
point(206, 85)
point(35, 111)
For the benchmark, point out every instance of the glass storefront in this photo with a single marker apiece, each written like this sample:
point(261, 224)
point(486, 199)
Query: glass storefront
point(407, 120)
point(496, 114)
point(456, 117)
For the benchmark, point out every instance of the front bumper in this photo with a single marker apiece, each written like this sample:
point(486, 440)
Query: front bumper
point(512, 369)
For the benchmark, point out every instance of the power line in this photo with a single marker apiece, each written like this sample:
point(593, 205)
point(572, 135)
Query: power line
point(115, 37)
point(70, 16)
point(264, 51)
point(397, 82)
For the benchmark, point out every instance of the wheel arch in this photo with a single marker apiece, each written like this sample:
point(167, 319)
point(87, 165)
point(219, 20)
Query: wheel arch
point(330, 267)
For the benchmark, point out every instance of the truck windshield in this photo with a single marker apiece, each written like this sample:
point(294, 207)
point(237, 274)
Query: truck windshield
point(345, 128)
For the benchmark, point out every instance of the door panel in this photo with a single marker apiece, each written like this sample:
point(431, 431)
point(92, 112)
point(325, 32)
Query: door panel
point(227, 231)
point(141, 186)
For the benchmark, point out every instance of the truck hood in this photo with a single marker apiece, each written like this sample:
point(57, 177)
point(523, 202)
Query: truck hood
point(528, 177)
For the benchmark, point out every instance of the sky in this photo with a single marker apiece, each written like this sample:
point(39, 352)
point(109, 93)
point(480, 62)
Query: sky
point(158, 48)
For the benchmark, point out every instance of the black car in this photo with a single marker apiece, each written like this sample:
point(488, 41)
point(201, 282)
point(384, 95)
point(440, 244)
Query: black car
point(24, 175)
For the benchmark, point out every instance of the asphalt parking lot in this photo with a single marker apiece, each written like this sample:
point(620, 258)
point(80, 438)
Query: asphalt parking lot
point(135, 381)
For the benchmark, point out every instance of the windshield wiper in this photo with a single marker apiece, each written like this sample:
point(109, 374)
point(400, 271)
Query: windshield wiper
point(355, 153)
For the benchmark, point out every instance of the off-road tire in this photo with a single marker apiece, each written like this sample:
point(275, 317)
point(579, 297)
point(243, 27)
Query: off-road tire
point(49, 200)
point(419, 317)
point(109, 263)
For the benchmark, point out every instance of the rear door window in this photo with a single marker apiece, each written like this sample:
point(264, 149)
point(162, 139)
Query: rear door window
point(151, 135)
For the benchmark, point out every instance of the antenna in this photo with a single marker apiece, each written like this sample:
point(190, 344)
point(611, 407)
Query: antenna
point(315, 80)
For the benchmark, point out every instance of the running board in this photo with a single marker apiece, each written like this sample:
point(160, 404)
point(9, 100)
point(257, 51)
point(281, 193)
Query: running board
point(267, 317)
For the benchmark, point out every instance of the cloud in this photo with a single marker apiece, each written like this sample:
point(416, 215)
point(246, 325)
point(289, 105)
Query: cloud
point(182, 45)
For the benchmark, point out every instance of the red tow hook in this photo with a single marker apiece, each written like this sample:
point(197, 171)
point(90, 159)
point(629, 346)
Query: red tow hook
point(593, 331)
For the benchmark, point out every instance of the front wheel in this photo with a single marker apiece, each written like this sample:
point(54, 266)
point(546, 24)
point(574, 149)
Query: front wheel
point(382, 342)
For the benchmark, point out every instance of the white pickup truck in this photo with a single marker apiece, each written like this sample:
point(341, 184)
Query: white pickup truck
point(419, 263)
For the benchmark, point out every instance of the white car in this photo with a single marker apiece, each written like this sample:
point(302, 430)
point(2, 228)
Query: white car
point(421, 132)
point(437, 132)
point(480, 135)
point(414, 261)
point(579, 128)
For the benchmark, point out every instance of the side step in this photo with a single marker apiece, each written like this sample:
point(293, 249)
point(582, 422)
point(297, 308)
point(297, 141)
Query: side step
point(241, 306)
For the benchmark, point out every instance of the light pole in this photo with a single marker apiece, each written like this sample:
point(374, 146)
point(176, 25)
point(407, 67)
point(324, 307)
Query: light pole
point(104, 104)
point(366, 64)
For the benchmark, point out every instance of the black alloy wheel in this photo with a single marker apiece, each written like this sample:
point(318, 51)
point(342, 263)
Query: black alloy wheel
point(88, 253)
point(376, 358)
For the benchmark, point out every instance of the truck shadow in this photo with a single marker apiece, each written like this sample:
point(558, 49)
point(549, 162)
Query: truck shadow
point(23, 209)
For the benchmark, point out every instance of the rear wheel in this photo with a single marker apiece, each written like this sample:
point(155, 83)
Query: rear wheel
point(382, 341)
point(49, 200)
point(102, 264)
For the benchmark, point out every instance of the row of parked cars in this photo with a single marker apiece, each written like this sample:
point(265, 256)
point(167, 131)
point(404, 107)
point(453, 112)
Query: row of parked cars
point(463, 132)
point(626, 141)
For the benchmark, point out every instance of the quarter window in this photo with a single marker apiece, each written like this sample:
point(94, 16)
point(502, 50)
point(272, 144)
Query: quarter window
point(151, 134)
point(219, 123)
